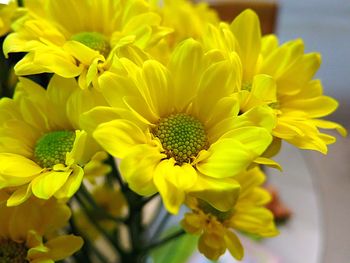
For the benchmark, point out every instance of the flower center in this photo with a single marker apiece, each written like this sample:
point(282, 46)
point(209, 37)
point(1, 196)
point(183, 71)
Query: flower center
point(208, 209)
point(93, 40)
point(51, 148)
point(182, 137)
point(12, 252)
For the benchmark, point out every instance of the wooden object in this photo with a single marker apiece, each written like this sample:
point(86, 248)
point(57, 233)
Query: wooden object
point(266, 9)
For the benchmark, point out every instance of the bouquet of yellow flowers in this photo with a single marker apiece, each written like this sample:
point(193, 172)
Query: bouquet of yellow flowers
point(119, 104)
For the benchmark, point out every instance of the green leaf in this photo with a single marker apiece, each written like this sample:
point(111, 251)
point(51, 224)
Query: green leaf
point(180, 249)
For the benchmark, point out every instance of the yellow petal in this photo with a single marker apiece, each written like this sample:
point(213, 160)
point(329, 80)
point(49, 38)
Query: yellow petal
point(193, 223)
point(228, 157)
point(185, 66)
point(47, 184)
point(72, 184)
point(91, 119)
point(246, 29)
point(157, 81)
point(64, 246)
point(81, 52)
point(118, 136)
point(221, 74)
point(182, 177)
point(219, 193)
point(262, 116)
point(330, 125)
point(268, 44)
point(299, 74)
point(172, 197)
point(115, 87)
point(264, 88)
point(211, 245)
point(268, 162)
point(138, 168)
point(314, 107)
point(13, 165)
point(19, 196)
point(255, 139)
point(234, 245)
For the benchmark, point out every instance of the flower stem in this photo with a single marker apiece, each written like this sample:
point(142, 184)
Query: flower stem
point(164, 240)
point(96, 207)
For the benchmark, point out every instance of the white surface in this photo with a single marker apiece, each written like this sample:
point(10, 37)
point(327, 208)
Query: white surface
point(301, 239)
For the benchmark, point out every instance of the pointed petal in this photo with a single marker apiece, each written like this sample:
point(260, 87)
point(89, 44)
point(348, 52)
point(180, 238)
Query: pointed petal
point(118, 136)
point(246, 29)
point(138, 168)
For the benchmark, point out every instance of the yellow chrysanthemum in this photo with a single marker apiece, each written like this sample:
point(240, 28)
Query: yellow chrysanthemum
point(42, 147)
point(179, 131)
point(296, 98)
point(112, 201)
point(216, 228)
point(78, 38)
point(26, 233)
point(188, 19)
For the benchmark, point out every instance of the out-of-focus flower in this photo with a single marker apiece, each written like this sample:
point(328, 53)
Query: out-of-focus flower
point(79, 38)
point(42, 148)
point(8, 12)
point(179, 131)
point(112, 201)
point(248, 214)
point(189, 20)
point(27, 232)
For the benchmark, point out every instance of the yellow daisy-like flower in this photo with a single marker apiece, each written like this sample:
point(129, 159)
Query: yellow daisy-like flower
point(42, 147)
point(26, 233)
point(186, 18)
point(179, 131)
point(249, 215)
point(296, 98)
point(78, 38)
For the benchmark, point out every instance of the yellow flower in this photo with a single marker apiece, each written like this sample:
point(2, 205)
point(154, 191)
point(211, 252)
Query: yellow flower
point(27, 232)
point(186, 18)
point(42, 147)
point(112, 201)
point(296, 98)
point(78, 38)
point(216, 228)
point(179, 131)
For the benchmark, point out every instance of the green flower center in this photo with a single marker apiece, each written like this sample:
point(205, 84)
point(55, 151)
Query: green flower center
point(182, 137)
point(12, 252)
point(93, 40)
point(208, 209)
point(51, 148)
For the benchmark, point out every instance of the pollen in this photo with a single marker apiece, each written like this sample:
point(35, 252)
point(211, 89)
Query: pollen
point(12, 252)
point(51, 148)
point(93, 40)
point(182, 137)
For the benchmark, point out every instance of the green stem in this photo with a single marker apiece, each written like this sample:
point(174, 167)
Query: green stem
point(83, 255)
point(96, 207)
point(161, 226)
point(115, 172)
point(96, 224)
point(164, 240)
